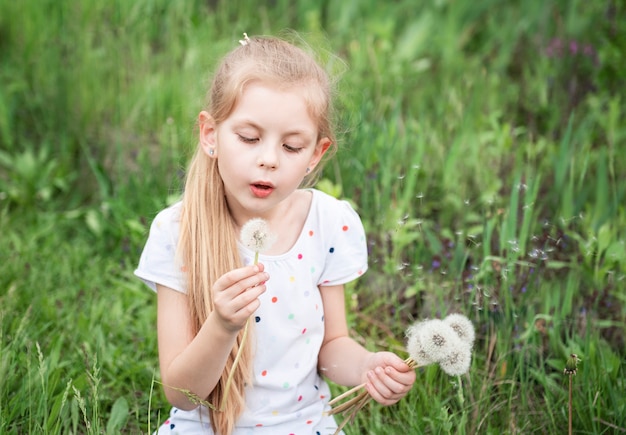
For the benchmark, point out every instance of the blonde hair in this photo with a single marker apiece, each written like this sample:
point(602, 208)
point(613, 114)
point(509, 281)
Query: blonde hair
point(208, 239)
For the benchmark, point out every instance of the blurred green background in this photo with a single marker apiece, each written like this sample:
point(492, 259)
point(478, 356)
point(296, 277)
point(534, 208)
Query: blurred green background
point(481, 142)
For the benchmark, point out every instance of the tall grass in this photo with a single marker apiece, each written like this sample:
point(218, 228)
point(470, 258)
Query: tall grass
point(481, 143)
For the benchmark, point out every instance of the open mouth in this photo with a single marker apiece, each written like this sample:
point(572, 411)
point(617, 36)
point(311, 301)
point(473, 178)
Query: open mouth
point(261, 190)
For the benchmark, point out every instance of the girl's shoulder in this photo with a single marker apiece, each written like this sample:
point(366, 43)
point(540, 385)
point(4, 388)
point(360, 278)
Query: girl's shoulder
point(168, 218)
point(332, 208)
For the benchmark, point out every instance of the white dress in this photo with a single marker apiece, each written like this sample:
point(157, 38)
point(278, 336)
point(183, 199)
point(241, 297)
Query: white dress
point(288, 396)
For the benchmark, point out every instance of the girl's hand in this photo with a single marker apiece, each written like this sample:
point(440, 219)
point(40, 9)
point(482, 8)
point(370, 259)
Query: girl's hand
point(236, 295)
point(388, 378)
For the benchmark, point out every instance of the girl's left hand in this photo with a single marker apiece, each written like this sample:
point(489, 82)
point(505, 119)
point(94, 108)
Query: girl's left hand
point(388, 378)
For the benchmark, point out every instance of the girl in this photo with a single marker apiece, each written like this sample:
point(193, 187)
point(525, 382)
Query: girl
point(264, 133)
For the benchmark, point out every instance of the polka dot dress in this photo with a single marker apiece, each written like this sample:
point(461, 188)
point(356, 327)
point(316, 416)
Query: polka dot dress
point(287, 396)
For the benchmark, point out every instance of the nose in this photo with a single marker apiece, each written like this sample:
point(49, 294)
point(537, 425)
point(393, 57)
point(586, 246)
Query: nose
point(268, 157)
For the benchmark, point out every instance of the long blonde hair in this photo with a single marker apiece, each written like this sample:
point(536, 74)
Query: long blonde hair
point(208, 239)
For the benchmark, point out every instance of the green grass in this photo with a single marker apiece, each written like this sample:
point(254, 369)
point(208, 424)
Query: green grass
point(483, 154)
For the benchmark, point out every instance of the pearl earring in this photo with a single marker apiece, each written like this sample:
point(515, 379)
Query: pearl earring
point(211, 152)
point(308, 170)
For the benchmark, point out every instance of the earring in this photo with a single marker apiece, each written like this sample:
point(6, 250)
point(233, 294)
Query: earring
point(308, 170)
point(211, 152)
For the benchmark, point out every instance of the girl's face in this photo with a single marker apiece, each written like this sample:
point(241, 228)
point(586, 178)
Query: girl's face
point(263, 149)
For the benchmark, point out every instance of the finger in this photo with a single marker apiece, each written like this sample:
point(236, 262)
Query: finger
point(247, 302)
point(377, 386)
point(238, 280)
point(405, 378)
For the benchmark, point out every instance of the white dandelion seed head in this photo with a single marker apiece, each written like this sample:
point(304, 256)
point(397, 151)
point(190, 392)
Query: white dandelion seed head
point(256, 236)
point(462, 326)
point(414, 346)
point(457, 361)
point(437, 338)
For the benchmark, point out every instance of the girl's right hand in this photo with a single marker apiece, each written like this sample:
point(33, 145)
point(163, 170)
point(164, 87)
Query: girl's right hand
point(236, 295)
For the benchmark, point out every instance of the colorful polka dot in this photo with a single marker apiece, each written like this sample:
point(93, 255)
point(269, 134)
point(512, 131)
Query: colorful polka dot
point(264, 373)
point(299, 256)
point(300, 398)
point(345, 228)
point(311, 233)
point(257, 319)
point(304, 331)
point(286, 385)
point(291, 316)
point(331, 250)
point(309, 422)
point(292, 279)
point(274, 299)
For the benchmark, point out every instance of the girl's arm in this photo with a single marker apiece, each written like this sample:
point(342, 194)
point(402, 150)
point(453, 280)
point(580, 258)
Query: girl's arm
point(342, 360)
point(195, 363)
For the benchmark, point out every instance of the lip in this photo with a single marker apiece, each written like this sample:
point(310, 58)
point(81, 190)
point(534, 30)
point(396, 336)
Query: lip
point(261, 189)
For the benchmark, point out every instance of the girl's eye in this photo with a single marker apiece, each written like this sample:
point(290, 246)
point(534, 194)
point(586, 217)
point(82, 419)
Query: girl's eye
point(247, 139)
point(292, 149)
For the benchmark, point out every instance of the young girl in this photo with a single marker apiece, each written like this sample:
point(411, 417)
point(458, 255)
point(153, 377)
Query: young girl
point(263, 135)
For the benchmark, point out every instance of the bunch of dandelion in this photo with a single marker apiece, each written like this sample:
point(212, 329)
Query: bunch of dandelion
point(255, 235)
point(446, 342)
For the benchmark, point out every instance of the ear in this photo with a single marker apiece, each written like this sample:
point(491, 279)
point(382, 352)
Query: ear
point(320, 149)
point(208, 133)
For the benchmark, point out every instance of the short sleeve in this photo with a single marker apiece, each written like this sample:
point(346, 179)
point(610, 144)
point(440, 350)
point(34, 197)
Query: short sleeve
point(346, 248)
point(158, 263)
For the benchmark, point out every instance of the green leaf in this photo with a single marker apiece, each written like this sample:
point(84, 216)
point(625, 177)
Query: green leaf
point(119, 415)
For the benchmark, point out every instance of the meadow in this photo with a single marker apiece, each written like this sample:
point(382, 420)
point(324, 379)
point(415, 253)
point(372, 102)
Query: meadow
point(482, 144)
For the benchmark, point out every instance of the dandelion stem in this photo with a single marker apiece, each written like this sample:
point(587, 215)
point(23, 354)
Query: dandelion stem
point(569, 421)
point(235, 363)
point(346, 394)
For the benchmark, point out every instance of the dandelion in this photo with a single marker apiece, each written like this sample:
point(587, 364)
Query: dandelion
point(462, 326)
point(571, 367)
point(414, 345)
point(256, 236)
point(437, 339)
point(457, 361)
